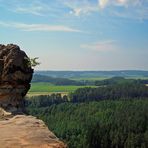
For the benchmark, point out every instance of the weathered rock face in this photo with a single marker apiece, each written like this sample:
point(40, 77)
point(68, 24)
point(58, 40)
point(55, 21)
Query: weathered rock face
point(27, 132)
point(15, 77)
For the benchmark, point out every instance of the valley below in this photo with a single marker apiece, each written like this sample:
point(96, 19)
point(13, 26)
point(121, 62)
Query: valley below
point(103, 112)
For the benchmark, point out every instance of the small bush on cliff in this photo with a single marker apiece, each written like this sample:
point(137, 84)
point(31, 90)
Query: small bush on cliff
point(32, 62)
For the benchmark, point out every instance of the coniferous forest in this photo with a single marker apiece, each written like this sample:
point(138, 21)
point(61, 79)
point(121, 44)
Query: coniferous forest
point(115, 116)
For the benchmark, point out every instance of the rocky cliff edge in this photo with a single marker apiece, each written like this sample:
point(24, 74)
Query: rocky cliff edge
point(23, 131)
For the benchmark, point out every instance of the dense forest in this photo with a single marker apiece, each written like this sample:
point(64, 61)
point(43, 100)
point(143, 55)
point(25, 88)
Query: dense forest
point(114, 92)
point(104, 124)
point(115, 116)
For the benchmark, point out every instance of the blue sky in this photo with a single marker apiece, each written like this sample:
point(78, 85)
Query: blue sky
point(78, 34)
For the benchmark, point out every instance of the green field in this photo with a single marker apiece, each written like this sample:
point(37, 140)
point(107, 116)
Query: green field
point(47, 88)
point(89, 78)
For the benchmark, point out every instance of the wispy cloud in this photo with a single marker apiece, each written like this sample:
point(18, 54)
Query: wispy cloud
point(39, 27)
point(46, 7)
point(133, 9)
point(78, 8)
point(35, 10)
point(34, 7)
point(108, 45)
point(83, 10)
point(39, 7)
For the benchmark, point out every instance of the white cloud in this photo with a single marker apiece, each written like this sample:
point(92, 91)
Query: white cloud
point(109, 45)
point(131, 9)
point(39, 27)
point(103, 3)
point(126, 3)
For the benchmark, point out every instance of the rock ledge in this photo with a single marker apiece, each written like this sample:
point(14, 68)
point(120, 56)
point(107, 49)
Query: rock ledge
point(23, 131)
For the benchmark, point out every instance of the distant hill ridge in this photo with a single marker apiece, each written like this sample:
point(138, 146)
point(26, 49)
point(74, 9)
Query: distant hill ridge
point(70, 74)
point(55, 80)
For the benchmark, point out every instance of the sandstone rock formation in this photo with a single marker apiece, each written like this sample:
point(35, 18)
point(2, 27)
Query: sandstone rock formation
point(19, 131)
point(27, 132)
point(15, 77)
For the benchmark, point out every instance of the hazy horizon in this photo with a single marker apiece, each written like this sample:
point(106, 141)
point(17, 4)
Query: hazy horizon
point(86, 35)
point(75, 70)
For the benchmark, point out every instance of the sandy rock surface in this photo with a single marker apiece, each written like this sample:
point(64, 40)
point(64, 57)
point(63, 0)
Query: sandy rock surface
point(23, 131)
